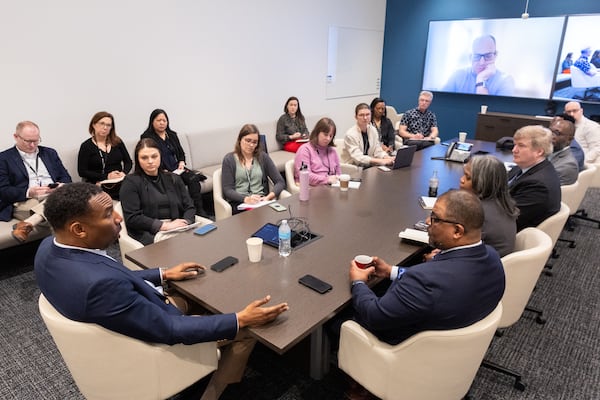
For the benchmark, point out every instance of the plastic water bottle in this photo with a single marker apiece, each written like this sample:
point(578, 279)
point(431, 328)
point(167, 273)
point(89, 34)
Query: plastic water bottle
point(433, 184)
point(285, 239)
point(304, 194)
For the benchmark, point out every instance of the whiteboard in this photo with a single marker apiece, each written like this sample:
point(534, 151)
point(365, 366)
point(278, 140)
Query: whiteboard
point(354, 59)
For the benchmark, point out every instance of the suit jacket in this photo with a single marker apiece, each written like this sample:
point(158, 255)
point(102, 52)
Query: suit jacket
point(537, 193)
point(89, 287)
point(14, 178)
point(565, 165)
point(454, 290)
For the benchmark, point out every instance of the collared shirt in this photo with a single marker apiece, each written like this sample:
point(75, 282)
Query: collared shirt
point(419, 122)
point(36, 169)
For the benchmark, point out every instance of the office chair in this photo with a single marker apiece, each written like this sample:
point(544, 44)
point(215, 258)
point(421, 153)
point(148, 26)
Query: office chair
point(522, 269)
point(430, 365)
point(106, 365)
point(594, 182)
point(553, 226)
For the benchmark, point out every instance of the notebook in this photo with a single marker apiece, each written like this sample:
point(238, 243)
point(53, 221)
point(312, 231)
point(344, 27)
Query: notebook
point(404, 156)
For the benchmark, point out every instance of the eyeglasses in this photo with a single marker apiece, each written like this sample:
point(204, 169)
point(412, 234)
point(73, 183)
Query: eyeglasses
point(34, 141)
point(105, 125)
point(572, 111)
point(486, 56)
point(435, 219)
point(555, 132)
point(251, 142)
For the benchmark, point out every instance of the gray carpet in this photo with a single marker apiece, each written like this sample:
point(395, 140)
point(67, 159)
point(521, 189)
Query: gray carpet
point(558, 360)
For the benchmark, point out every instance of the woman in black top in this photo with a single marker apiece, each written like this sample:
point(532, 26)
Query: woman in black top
point(104, 155)
point(153, 199)
point(385, 128)
point(173, 156)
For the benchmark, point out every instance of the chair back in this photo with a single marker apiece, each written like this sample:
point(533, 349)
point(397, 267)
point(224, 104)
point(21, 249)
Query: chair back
point(595, 182)
point(108, 365)
point(222, 206)
point(392, 114)
point(554, 224)
point(126, 242)
point(569, 196)
point(430, 365)
point(580, 79)
point(522, 269)
point(573, 198)
point(292, 187)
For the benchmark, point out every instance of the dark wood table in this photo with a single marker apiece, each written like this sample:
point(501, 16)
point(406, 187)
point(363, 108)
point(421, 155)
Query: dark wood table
point(362, 221)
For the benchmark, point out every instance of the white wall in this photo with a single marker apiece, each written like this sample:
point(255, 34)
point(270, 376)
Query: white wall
point(208, 63)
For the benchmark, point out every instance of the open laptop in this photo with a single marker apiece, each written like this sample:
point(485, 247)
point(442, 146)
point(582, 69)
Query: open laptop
point(404, 156)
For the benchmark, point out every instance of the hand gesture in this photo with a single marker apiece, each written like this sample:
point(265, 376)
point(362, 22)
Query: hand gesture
point(255, 314)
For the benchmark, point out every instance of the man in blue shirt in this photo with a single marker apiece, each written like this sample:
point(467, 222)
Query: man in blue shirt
point(482, 77)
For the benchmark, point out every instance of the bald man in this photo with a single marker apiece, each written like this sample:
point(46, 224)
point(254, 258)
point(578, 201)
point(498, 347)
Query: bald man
point(482, 77)
point(587, 132)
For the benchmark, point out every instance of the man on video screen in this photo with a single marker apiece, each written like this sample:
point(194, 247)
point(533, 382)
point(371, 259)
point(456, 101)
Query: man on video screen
point(482, 77)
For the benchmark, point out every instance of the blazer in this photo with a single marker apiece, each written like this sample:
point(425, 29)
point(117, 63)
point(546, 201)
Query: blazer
point(565, 165)
point(455, 289)
point(353, 151)
point(537, 193)
point(14, 178)
point(89, 287)
point(140, 208)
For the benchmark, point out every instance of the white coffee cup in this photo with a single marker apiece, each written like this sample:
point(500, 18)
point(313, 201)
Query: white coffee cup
point(255, 245)
point(483, 109)
point(344, 182)
point(462, 137)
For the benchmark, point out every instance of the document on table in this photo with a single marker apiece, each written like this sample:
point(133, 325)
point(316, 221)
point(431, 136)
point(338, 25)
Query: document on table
point(427, 202)
point(414, 235)
point(245, 206)
point(183, 228)
point(352, 184)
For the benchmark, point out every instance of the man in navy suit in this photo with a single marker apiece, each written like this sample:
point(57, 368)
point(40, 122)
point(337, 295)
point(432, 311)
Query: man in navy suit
point(26, 170)
point(459, 286)
point(84, 284)
point(533, 183)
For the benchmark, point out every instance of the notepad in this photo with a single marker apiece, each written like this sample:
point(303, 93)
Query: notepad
point(245, 206)
point(427, 202)
point(414, 235)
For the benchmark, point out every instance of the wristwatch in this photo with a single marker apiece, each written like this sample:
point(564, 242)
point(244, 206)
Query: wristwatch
point(478, 84)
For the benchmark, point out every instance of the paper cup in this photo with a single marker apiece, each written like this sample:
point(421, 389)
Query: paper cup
point(462, 137)
point(483, 109)
point(362, 261)
point(344, 182)
point(254, 249)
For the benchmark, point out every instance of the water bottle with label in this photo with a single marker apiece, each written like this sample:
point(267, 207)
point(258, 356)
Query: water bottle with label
point(304, 182)
point(285, 239)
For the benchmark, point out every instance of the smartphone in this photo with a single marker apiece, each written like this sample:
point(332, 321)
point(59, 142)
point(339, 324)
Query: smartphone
point(315, 284)
point(223, 264)
point(204, 229)
point(422, 226)
point(278, 207)
point(52, 185)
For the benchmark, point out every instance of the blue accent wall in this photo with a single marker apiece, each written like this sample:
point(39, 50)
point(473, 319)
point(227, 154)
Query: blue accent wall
point(406, 26)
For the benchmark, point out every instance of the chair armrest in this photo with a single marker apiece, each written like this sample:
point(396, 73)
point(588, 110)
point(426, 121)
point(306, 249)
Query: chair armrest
point(222, 208)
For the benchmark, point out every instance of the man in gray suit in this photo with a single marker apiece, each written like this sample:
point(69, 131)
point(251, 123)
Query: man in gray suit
point(562, 158)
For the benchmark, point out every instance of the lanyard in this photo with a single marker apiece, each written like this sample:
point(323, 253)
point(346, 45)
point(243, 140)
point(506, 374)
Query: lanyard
point(35, 171)
point(102, 159)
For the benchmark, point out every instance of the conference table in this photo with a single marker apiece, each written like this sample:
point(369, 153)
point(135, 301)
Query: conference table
point(366, 220)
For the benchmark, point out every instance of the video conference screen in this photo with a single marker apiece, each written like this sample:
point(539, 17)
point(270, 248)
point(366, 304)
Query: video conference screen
point(499, 57)
point(578, 74)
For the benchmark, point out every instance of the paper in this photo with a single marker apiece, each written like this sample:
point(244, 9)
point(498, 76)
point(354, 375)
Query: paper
point(509, 165)
point(245, 206)
point(351, 185)
point(179, 171)
point(427, 202)
point(414, 235)
point(301, 140)
point(114, 180)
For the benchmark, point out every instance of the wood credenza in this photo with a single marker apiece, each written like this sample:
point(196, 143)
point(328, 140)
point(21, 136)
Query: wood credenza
point(492, 126)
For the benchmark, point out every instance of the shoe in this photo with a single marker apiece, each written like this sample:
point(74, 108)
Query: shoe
point(21, 231)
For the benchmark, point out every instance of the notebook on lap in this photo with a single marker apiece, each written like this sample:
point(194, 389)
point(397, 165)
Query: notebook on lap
point(404, 156)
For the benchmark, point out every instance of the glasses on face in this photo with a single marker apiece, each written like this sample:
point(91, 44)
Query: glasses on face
point(250, 141)
point(435, 219)
point(34, 141)
point(486, 56)
point(364, 115)
point(556, 132)
point(105, 125)
point(572, 111)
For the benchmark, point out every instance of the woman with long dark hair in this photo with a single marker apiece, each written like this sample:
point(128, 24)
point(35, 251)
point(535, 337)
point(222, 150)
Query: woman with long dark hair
point(291, 126)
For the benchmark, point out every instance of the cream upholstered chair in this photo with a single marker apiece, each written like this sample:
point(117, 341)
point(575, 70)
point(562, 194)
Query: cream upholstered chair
point(522, 269)
point(554, 224)
point(580, 79)
point(292, 187)
point(587, 179)
point(430, 365)
point(127, 243)
point(393, 115)
point(107, 365)
point(222, 206)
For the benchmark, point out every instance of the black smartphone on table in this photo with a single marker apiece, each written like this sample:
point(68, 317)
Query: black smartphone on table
point(223, 264)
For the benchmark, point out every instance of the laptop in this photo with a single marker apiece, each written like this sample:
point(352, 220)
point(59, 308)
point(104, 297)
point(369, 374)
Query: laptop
point(404, 156)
